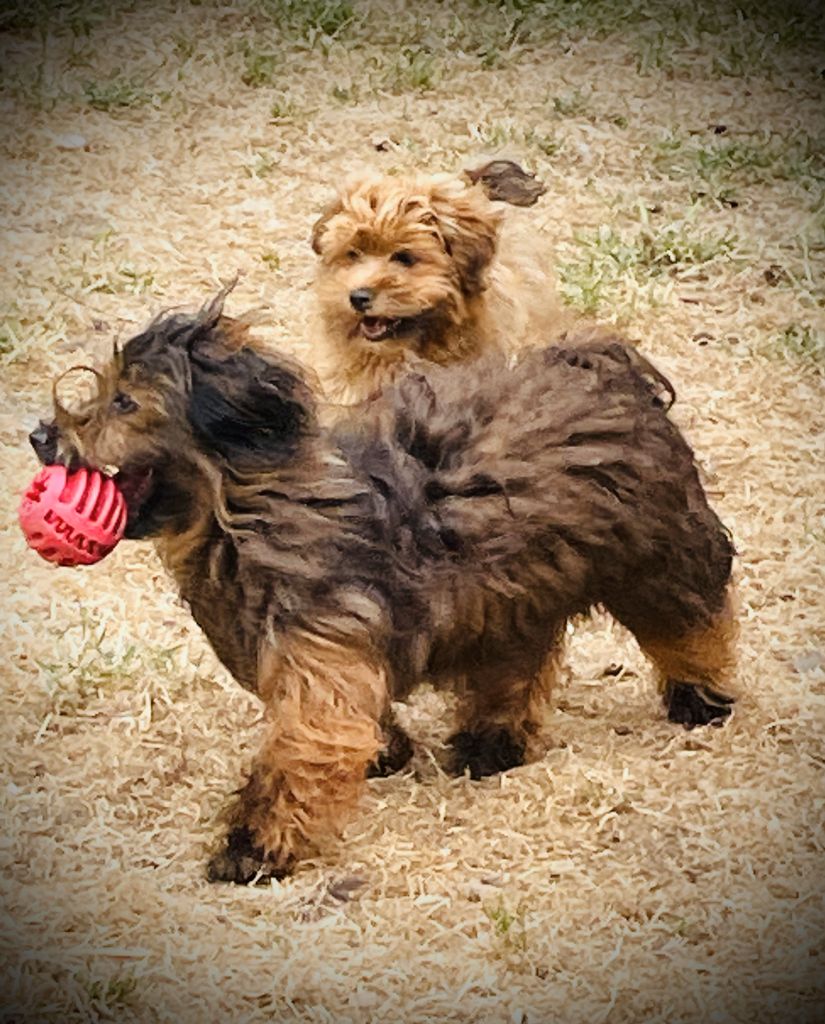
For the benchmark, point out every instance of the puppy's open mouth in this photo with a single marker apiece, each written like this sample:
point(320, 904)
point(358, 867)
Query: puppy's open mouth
point(379, 328)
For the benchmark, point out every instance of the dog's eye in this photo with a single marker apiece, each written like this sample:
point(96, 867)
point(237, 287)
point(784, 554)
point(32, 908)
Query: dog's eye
point(404, 257)
point(123, 403)
point(353, 254)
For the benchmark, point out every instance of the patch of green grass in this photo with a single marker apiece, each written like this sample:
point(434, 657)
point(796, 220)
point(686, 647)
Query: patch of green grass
point(124, 279)
point(312, 21)
point(493, 55)
point(704, 37)
point(737, 59)
point(497, 134)
point(132, 280)
point(577, 104)
point(543, 19)
point(495, 33)
point(346, 94)
point(608, 258)
point(584, 282)
point(757, 159)
point(494, 134)
point(117, 991)
point(492, 41)
point(730, 157)
point(102, 268)
point(675, 247)
point(546, 144)
point(90, 666)
point(415, 69)
point(283, 110)
point(730, 40)
point(508, 925)
point(120, 93)
point(26, 17)
point(26, 330)
point(184, 46)
point(54, 17)
point(652, 54)
point(260, 67)
point(570, 104)
point(81, 55)
point(798, 342)
point(262, 164)
point(10, 331)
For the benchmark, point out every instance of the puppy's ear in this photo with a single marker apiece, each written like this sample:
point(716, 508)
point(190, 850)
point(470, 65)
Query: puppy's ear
point(249, 408)
point(320, 225)
point(469, 226)
point(505, 181)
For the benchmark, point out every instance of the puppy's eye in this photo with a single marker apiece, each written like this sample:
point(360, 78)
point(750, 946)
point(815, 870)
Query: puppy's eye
point(353, 254)
point(404, 257)
point(123, 403)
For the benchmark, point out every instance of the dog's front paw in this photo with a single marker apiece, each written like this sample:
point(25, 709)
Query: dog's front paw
point(485, 752)
point(242, 860)
point(691, 704)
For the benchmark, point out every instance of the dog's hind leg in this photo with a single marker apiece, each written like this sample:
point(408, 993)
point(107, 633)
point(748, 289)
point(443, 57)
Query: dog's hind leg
point(695, 668)
point(499, 720)
point(324, 701)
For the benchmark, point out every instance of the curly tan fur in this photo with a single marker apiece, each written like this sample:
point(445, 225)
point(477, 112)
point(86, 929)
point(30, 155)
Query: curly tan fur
point(448, 532)
point(442, 274)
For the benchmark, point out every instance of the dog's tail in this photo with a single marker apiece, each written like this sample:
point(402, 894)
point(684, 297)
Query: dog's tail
point(591, 350)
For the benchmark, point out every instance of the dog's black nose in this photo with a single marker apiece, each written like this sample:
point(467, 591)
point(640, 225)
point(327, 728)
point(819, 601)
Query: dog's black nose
point(361, 298)
point(44, 441)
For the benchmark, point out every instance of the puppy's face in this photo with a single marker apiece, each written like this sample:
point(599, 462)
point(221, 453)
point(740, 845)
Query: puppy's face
point(400, 258)
point(181, 395)
point(127, 426)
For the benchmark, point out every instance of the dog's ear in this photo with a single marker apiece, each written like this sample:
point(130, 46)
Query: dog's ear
point(320, 225)
point(245, 406)
point(505, 181)
point(469, 226)
point(171, 335)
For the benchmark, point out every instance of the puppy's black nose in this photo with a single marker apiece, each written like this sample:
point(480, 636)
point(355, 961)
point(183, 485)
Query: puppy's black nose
point(361, 298)
point(44, 441)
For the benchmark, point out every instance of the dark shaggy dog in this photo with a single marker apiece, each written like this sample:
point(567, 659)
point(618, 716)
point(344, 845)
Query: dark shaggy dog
point(449, 533)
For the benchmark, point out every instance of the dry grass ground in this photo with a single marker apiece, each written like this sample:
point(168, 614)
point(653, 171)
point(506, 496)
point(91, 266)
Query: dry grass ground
point(637, 872)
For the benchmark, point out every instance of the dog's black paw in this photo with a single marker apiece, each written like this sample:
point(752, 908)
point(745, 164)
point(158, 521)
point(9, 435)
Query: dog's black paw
point(241, 860)
point(486, 752)
point(692, 704)
point(397, 751)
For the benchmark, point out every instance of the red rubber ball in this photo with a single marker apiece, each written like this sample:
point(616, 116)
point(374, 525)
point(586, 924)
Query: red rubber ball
point(72, 518)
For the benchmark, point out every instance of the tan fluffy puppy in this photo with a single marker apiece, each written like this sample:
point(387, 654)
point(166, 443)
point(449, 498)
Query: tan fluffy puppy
point(422, 267)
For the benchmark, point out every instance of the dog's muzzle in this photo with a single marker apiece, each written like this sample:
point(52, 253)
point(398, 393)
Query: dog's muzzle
point(361, 298)
point(44, 441)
